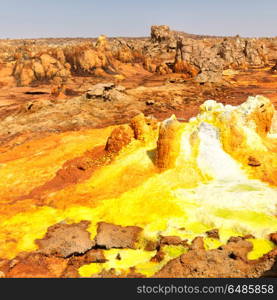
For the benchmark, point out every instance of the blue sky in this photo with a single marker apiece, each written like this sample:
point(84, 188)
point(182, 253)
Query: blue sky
point(90, 18)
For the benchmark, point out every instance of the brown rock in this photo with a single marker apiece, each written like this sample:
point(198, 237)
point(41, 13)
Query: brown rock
point(151, 246)
point(116, 236)
point(94, 255)
point(158, 257)
point(274, 68)
point(141, 129)
point(273, 237)
point(226, 261)
point(160, 33)
point(197, 243)
point(170, 240)
point(253, 162)
point(213, 233)
point(70, 272)
point(66, 239)
point(120, 137)
point(36, 265)
point(248, 236)
point(236, 239)
point(91, 256)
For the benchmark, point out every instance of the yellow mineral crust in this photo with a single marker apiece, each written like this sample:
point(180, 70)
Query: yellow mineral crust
point(216, 171)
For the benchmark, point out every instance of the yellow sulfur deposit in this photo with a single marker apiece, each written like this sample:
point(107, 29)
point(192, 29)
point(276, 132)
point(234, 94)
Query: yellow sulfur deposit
point(219, 172)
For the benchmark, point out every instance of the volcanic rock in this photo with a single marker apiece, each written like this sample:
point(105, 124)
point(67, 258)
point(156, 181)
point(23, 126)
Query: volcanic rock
point(43, 67)
point(144, 127)
point(119, 138)
point(213, 233)
point(169, 143)
point(107, 91)
point(158, 257)
point(116, 236)
point(151, 246)
point(197, 243)
point(160, 33)
point(226, 261)
point(64, 240)
point(170, 240)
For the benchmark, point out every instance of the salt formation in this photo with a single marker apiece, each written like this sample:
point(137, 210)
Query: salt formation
point(234, 150)
point(219, 130)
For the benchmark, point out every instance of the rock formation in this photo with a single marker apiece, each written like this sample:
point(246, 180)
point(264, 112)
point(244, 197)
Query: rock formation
point(206, 58)
point(40, 68)
point(166, 51)
point(144, 127)
point(274, 68)
point(168, 144)
point(160, 33)
point(120, 137)
point(100, 181)
point(227, 261)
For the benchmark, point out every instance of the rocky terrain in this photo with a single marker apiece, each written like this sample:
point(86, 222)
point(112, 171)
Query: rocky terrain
point(116, 162)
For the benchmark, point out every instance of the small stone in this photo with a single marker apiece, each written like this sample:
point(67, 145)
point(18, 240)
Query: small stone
point(213, 233)
point(158, 257)
point(150, 102)
point(253, 162)
point(170, 240)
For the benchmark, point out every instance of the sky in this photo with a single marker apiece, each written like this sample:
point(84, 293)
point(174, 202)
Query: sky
point(90, 18)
